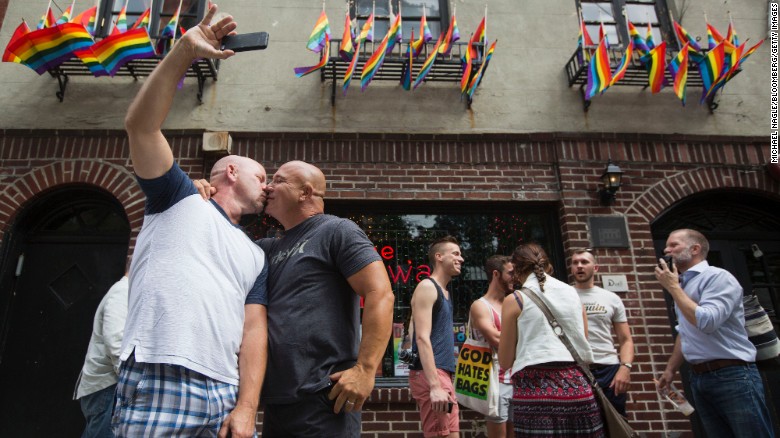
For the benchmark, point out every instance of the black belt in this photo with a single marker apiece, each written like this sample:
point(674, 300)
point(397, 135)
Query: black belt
point(713, 365)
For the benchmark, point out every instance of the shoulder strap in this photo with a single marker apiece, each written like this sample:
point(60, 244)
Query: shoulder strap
point(558, 330)
point(517, 298)
point(493, 312)
point(439, 296)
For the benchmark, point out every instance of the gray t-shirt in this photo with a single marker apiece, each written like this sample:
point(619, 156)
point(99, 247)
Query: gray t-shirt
point(603, 308)
point(313, 313)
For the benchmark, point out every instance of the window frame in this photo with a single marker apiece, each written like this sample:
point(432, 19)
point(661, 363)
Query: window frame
point(664, 24)
point(108, 11)
point(443, 19)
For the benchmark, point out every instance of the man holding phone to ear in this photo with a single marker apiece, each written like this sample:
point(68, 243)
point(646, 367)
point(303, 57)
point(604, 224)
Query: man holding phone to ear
point(727, 389)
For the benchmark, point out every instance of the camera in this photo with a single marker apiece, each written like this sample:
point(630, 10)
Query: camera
point(408, 356)
point(669, 262)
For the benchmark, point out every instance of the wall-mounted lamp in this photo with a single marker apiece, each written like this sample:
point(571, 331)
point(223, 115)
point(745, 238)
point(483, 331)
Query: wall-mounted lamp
point(610, 183)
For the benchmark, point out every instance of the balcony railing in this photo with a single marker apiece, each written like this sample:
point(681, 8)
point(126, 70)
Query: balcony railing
point(636, 74)
point(202, 70)
point(445, 68)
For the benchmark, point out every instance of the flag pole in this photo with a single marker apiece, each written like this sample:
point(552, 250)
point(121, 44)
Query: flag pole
point(373, 26)
point(583, 30)
point(176, 24)
point(677, 38)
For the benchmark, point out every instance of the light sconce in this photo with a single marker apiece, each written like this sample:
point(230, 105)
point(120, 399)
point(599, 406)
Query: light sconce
point(610, 183)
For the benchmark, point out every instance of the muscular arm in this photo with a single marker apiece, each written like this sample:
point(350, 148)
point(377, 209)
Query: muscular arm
point(355, 384)
point(252, 360)
point(149, 150)
point(507, 345)
point(622, 379)
point(423, 299)
point(482, 319)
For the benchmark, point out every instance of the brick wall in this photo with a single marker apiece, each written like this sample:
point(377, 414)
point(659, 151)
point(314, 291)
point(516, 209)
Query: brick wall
point(554, 168)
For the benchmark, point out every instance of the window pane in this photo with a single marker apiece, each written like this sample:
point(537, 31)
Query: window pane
point(187, 18)
point(598, 12)
point(641, 13)
point(611, 30)
point(134, 10)
point(409, 8)
point(415, 8)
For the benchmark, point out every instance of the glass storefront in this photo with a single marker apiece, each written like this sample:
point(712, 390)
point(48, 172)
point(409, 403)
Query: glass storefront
point(401, 234)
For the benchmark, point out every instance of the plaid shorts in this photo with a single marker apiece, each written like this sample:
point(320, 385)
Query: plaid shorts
point(169, 400)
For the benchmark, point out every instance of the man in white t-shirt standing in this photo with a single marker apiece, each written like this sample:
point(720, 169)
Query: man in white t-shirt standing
point(605, 310)
point(485, 316)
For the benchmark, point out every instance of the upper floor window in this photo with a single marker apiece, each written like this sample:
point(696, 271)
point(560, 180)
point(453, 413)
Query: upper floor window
point(613, 14)
point(161, 11)
point(436, 14)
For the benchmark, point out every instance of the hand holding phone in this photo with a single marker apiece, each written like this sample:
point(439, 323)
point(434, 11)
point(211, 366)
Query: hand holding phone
point(245, 42)
point(669, 262)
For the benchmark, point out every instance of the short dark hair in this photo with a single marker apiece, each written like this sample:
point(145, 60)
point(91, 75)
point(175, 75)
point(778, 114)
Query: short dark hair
point(496, 263)
point(436, 247)
point(585, 251)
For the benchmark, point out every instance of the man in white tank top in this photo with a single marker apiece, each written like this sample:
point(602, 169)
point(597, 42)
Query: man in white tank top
point(485, 316)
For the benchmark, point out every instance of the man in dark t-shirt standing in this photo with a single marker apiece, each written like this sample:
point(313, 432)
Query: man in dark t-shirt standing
point(430, 380)
point(321, 366)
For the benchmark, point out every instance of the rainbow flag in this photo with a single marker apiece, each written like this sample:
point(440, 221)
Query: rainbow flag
point(406, 76)
point(425, 36)
point(684, 37)
point(351, 68)
point(303, 71)
point(713, 37)
point(168, 32)
point(464, 79)
point(143, 20)
point(603, 34)
point(639, 42)
point(731, 35)
point(319, 33)
point(620, 71)
point(678, 67)
point(584, 42)
point(478, 38)
point(47, 48)
point(599, 73)
point(729, 74)
point(347, 48)
point(649, 37)
point(394, 34)
point(121, 21)
point(47, 20)
point(453, 34)
point(373, 64)
point(87, 19)
point(711, 69)
point(21, 30)
point(66, 16)
point(90, 60)
point(428, 64)
point(655, 62)
point(117, 50)
point(367, 31)
point(482, 68)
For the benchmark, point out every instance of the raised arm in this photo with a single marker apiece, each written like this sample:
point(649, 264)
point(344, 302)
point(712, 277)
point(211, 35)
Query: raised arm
point(355, 384)
point(149, 149)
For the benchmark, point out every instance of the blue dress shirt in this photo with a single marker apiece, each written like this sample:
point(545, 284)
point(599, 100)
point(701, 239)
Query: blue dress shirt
point(719, 332)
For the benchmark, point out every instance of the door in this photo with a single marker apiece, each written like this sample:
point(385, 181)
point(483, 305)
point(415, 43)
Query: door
point(744, 236)
point(70, 249)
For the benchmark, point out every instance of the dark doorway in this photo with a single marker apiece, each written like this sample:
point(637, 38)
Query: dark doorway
point(60, 258)
point(744, 233)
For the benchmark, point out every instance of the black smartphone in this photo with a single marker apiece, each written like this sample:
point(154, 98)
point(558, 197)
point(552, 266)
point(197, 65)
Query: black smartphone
point(669, 262)
point(449, 407)
point(245, 42)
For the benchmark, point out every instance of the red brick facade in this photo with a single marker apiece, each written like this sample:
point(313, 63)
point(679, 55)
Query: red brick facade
point(562, 170)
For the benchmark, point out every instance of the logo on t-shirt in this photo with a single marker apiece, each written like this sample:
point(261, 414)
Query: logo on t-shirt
point(284, 255)
point(595, 309)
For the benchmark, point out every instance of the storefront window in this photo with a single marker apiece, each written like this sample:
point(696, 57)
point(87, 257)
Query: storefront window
point(402, 234)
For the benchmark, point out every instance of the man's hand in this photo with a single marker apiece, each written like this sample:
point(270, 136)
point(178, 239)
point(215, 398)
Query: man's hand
point(663, 382)
point(240, 423)
point(622, 381)
point(352, 388)
point(439, 400)
point(204, 39)
point(204, 188)
point(665, 277)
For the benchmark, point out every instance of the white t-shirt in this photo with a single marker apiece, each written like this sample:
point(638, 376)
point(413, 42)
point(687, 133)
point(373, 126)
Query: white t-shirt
point(604, 308)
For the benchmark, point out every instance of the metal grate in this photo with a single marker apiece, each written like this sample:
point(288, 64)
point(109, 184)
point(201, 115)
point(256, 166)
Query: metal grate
point(202, 69)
